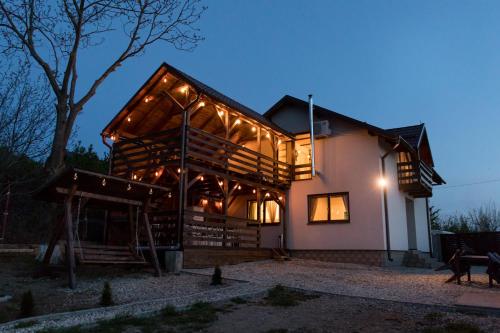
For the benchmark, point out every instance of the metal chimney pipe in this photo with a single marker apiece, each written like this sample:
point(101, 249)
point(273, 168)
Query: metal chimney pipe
point(311, 124)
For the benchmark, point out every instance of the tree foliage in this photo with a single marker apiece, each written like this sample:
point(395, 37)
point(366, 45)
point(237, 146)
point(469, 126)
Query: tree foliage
point(484, 218)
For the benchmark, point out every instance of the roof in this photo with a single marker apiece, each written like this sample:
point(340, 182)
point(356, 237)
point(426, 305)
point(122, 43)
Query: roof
point(209, 91)
point(324, 112)
point(412, 134)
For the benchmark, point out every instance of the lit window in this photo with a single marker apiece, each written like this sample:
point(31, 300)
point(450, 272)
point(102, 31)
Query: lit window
point(328, 208)
point(271, 214)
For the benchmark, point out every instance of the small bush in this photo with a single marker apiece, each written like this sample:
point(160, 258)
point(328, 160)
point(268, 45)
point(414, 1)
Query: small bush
point(27, 305)
point(195, 317)
point(281, 296)
point(217, 276)
point(107, 295)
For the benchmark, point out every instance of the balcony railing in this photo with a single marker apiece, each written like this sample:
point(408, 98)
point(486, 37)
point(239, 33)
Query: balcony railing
point(415, 178)
point(142, 156)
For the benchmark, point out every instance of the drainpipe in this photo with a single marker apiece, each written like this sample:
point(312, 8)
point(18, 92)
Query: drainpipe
point(386, 211)
point(429, 234)
point(311, 125)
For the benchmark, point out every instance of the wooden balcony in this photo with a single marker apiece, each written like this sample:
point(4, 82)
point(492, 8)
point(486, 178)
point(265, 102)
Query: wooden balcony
point(204, 152)
point(415, 178)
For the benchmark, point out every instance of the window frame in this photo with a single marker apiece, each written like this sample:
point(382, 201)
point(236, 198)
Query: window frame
point(263, 223)
point(310, 197)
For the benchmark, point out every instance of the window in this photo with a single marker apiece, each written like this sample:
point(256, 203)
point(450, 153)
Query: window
point(271, 214)
point(302, 158)
point(328, 208)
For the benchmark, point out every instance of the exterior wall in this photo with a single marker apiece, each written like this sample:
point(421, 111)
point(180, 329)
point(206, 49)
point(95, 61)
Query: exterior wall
point(396, 205)
point(421, 225)
point(346, 162)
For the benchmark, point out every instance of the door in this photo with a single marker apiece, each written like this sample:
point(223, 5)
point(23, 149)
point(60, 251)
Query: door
point(410, 225)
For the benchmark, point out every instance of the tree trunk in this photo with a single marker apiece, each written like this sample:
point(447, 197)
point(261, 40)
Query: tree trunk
point(55, 161)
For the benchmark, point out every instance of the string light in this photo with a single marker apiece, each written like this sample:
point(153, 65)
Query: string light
point(221, 183)
point(129, 119)
point(184, 89)
point(75, 176)
point(134, 177)
point(113, 137)
point(268, 135)
point(148, 99)
point(268, 195)
point(179, 170)
point(103, 182)
point(150, 191)
point(129, 187)
point(201, 178)
point(201, 105)
point(254, 129)
point(156, 173)
point(253, 191)
point(169, 195)
point(220, 113)
point(204, 202)
point(165, 79)
point(237, 122)
point(280, 198)
point(239, 187)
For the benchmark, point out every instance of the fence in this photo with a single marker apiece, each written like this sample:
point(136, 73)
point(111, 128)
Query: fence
point(479, 243)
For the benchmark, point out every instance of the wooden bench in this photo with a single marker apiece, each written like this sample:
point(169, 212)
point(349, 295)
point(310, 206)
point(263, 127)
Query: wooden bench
point(462, 264)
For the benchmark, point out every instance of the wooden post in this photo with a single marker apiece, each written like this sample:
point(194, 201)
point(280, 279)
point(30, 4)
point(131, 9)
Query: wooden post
point(70, 249)
point(226, 205)
point(6, 211)
point(152, 247)
point(284, 220)
point(259, 224)
point(183, 179)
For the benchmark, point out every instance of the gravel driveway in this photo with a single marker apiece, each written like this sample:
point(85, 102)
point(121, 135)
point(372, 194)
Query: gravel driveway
point(403, 284)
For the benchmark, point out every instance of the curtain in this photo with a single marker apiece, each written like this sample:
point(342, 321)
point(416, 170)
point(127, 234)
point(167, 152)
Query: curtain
point(319, 208)
point(271, 209)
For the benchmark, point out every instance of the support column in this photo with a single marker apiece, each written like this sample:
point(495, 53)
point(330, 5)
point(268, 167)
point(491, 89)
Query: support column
point(152, 247)
point(70, 249)
point(259, 224)
point(183, 179)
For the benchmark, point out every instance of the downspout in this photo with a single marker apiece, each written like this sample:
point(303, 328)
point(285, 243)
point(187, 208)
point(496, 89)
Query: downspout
point(311, 125)
point(386, 210)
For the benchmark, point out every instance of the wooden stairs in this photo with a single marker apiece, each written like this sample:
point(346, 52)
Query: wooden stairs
point(102, 254)
point(280, 255)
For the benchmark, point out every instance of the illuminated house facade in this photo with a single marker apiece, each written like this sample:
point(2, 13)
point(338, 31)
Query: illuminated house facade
point(242, 185)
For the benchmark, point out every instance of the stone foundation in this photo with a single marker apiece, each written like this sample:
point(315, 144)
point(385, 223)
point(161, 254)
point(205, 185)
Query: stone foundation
point(363, 257)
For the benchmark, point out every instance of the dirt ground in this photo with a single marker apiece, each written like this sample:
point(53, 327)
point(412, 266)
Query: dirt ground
point(51, 294)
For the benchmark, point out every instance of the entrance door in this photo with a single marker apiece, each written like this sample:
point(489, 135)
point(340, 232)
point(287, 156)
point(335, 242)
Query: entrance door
point(410, 225)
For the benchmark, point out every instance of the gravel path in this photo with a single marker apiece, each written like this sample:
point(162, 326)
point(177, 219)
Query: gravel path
point(154, 305)
point(402, 284)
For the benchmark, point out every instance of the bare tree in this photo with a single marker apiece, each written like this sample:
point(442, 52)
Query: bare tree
point(26, 122)
point(52, 34)
point(486, 217)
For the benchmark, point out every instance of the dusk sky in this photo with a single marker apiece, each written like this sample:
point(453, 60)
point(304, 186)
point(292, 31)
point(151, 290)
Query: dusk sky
point(390, 63)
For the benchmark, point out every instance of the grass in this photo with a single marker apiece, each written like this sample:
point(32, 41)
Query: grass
point(25, 324)
point(458, 327)
point(281, 296)
point(434, 316)
point(239, 300)
point(196, 316)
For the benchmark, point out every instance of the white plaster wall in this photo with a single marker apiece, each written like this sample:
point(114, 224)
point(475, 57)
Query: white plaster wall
point(421, 225)
point(346, 162)
point(396, 205)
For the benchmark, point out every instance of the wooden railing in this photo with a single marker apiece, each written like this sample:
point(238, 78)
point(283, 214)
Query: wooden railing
point(302, 171)
point(412, 175)
point(146, 153)
point(223, 154)
point(213, 230)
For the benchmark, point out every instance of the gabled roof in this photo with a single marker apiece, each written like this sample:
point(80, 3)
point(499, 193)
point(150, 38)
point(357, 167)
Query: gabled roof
point(202, 89)
point(412, 134)
point(322, 112)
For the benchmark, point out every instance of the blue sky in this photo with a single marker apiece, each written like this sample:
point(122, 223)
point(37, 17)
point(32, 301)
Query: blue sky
point(390, 63)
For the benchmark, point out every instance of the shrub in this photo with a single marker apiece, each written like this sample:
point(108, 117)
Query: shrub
point(107, 295)
point(217, 276)
point(27, 305)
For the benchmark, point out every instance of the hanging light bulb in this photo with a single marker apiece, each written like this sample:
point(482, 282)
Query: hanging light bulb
point(129, 119)
point(169, 195)
point(204, 202)
point(237, 122)
point(183, 89)
point(178, 170)
point(165, 79)
point(75, 176)
point(221, 183)
point(148, 99)
point(129, 187)
point(254, 191)
point(279, 142)
point(150, 191)
point(268, 195)
point(201, 178)
point(103, 182)
point(134, 177)
point(239, 187)
point(254, 128)
point(220, 113)
point(201, 105)
point(280, 198)
point(156, 173)
point(268, 135)
point(113, 137)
